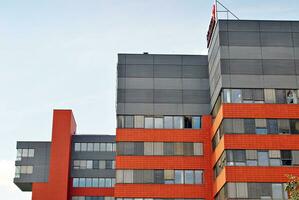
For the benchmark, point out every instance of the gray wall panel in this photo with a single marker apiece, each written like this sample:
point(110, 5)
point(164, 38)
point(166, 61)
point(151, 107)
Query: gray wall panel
point(140, 71)
point(139, 83)
point(139, 59)
point(244, 81)
point(167, 71)
point(196, 97)
point(275, 26)
point(139, 108)
point(296, 53)
point(239, 38)
point(241, 25)
point(194, 84)
point(168, 109)
point(295, 26)
point(279, 67)
point(195, 71)
point(238, 52)
point(279, 81)
point(168, 59)
point(278, 53)
point(121, 70)
point(168, 83)
point(296, 39)
point(139, 96)
point(168, 96)
point(195, 60)
point(241, 66)
point(195, 109)
point(276, 39)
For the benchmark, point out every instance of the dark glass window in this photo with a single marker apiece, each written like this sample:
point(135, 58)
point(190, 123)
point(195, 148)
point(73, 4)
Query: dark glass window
point(187, 122)
point(280, 96)
point(272, 125)
point(249, 125)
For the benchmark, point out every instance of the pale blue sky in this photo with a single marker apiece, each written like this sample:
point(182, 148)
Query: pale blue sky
point(63, 54)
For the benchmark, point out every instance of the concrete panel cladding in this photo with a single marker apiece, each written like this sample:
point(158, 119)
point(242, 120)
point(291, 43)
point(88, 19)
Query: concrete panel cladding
point(265, 50)
point(150, 81)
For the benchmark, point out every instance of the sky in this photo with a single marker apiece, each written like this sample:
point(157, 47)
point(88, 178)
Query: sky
point(62, 54)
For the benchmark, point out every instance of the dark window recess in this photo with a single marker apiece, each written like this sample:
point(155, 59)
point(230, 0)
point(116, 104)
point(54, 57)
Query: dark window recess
point(286, 157)
point(249, 125)
point(272, 126)
point(188, 122)
point(159, 176)
point(294, 126)
point(258, 95)
point(280, 96)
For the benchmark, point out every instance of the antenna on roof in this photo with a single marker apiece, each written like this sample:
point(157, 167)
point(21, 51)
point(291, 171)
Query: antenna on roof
point(226, 10)
point(214, 18)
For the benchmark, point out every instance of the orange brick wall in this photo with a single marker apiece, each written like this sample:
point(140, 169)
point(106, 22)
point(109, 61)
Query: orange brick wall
point(167, 162)
point(252, 141)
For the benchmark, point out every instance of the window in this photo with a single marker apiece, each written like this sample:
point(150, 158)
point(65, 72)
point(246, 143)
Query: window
point(286, 157)
point(96, 147)
point(89, 146)
point(280, 96)
point(189, 177)
point(138, 121)
point(158, 122)
point(128, 176)
point(178, 148)
point(196, 122)
point(83, 146)
point(95, 182)
point(168, 122)
point(198, 148)
point(120, 122)
point(226, 96)
point(263, 158)
point(283, 126)
point(148, 122)
point(109, 146)
point(129, 121)
point(102, 164)
point(81, 182)
point(249, 125)
point(294, 126)
point(269, 95)
point(89, 164)
point(242, 191)
point(108, 182)
point(291, 96)
point(198, 176)
point(148, 148)
point(258, 95)
point(159, 176)
point(261, 127)
point(179, 176)
point(158, 148)
point(247, 95)
point(25, 153)
point(272, 125)
point(102, 146)
point(178, 122)
point(277, 191)
point(187, 122)
point(236, 96)
point(75, 182)
point(101, 182)
point(19, 154)
point(88, 182)
point(168, 148)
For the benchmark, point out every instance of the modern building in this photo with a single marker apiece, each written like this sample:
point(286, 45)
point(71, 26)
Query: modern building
point(222, 126)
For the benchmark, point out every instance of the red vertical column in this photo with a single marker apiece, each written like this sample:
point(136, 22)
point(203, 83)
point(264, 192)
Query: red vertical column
point(64, 126)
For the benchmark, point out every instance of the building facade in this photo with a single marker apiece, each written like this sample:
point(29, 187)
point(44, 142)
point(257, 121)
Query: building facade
point(222, 126)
